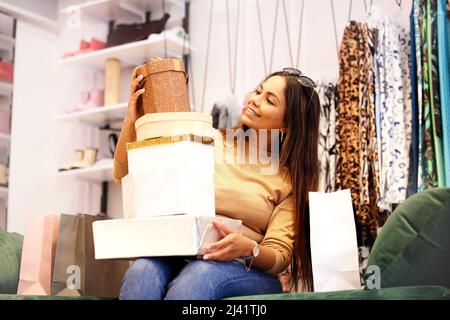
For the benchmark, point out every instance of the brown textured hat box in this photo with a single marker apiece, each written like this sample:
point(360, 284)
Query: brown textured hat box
point(165, 86)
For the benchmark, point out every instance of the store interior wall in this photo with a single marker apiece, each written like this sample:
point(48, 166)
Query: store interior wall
point(318, 57)
point(46, 8)
point(43, 89)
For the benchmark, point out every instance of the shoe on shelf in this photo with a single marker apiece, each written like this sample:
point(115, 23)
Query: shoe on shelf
point(6, 71)
point(94, 45)
point(126, 33)
point(92, 94)
point(173, 33)
point(96, 99)
point(86, 47)
point(85, 97)
point(79, 155)
point(89, 159)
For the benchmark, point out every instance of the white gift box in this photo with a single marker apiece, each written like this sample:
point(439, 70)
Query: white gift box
point(178, 235)
point(334, 247)
point(167, 176)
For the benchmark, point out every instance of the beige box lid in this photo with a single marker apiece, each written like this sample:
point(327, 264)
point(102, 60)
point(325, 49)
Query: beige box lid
point(166, 124)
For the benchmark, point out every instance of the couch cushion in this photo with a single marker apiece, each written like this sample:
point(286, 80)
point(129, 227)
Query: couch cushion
point(413, 247)
point(73, 298)
point(399, 293)
point(10, 255)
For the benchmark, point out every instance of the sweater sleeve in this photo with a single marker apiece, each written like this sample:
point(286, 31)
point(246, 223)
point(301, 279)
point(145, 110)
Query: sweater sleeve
point(280, 235)
point(120, 170)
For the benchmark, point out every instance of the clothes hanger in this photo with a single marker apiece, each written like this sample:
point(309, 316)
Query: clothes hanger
point(335, 28)
point(232, 67)
point(350, 12)
point(374, 15)
point(288, 34)
point(208, 45)
point(300, 32)
point(397, 14)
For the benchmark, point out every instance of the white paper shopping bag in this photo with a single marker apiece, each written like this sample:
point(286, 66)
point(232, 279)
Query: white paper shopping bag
point(334, 247)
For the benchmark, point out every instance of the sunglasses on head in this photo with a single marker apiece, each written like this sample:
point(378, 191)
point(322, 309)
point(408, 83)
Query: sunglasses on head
point(302, 79)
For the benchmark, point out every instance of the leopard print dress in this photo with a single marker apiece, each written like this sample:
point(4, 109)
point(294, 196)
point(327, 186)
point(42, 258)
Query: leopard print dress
point(357, 155)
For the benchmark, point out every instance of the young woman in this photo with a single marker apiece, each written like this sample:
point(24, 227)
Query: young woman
point(273, 207)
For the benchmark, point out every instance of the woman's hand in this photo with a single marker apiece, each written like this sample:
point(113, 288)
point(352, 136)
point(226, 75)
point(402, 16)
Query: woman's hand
point(134, 111)
point(232, 245)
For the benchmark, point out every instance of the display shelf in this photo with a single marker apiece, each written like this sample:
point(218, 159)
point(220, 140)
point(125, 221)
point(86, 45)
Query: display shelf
point(100, 172)
point(130, 54)
point(107, 10)
point(99, 116)
point(3, 192)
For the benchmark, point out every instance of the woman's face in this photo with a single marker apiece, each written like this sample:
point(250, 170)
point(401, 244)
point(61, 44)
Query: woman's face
point(266, 106)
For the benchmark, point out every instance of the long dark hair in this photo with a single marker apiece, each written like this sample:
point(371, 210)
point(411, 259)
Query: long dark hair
point(299, 154)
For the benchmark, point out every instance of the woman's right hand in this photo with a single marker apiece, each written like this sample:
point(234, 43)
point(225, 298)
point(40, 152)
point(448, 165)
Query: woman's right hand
point(134, 111)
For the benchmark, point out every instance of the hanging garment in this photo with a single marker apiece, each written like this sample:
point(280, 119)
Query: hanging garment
point(327, 136)
point(433, 69)
point(443, 33)
point(394, 88)
point(418, 55)
point(430, 179)
point(357, 159)
point(226, 112)
point(412, 177)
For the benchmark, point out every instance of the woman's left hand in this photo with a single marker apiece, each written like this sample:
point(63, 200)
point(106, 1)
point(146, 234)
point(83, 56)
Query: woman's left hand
point(232, 245)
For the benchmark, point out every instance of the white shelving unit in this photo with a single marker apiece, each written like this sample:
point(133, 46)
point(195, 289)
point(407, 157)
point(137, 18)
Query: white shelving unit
point(99, 116)
point(100, 172)
point(130, 54)
point(107, 10)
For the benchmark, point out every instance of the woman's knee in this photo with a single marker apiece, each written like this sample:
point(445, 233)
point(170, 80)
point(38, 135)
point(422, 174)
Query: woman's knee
point(199, 280)
point(145, 279)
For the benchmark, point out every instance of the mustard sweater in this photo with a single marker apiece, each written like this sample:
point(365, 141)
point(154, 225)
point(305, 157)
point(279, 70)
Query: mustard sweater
point(262, 201)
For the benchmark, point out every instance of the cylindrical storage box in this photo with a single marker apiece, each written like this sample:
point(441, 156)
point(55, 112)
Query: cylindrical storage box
point(165, 86)
point(112, 82)
point(169, 124)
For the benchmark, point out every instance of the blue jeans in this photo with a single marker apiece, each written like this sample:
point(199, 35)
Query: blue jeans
point(178, 278)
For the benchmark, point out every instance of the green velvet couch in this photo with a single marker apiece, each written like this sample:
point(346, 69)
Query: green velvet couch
point(411, 257)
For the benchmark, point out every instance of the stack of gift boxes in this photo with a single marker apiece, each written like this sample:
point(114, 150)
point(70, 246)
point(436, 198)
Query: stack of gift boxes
point(168, 194)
